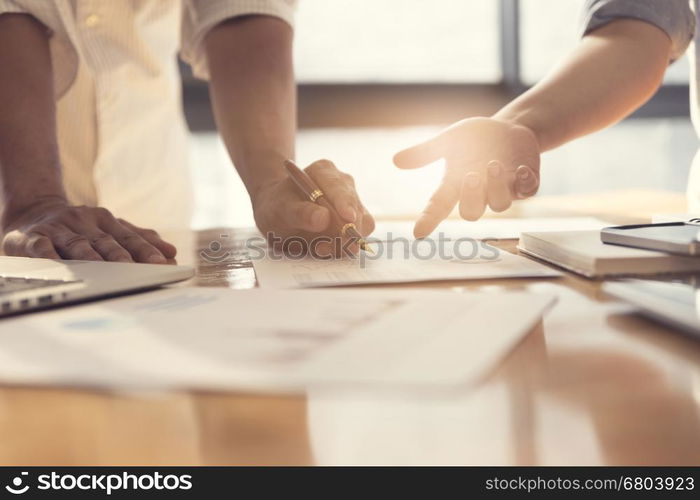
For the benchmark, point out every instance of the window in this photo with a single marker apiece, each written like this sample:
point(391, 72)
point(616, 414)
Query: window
point(406, 41)
point(418, 62)
point(551, 28)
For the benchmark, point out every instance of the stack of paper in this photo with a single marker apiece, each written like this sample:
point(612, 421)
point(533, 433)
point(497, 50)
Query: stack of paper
point(207, 338)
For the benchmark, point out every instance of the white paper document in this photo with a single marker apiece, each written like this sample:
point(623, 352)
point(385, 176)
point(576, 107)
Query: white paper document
point(399, 262)
point(221, 339)
point(488, 228)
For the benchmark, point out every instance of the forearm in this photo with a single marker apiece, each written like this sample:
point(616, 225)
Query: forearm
point(253, 95)
point(29, 158)
point(612, 72)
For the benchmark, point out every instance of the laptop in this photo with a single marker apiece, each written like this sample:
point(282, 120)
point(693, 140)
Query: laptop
point(674, 303)
point(27, 284)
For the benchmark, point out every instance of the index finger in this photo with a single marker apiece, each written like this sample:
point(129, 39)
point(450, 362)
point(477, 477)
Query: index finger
point(140, 249)
point(167, 249)
point(440, 204)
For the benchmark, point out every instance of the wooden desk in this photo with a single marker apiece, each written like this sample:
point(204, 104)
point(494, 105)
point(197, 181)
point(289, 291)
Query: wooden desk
point(592, 384)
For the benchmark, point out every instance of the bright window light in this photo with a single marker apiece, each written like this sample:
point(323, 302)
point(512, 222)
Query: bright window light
point(403, 41)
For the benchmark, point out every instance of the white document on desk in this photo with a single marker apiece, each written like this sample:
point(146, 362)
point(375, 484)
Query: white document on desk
point(496, 228)
point(398, 262)
point(220, 339)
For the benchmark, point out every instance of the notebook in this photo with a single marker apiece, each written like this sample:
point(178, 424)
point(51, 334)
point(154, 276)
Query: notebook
point(584, 253)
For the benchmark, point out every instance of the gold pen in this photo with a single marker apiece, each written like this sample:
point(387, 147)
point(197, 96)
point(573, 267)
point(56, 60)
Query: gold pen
point(310, 190)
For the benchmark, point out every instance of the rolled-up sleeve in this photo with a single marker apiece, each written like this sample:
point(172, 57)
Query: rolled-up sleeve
point(64, 57)
point(672, 16)
point(201, 16)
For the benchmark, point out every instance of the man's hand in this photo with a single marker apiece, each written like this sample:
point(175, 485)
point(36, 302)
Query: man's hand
point(52, 229)
point(282, 212)
point(488, 162)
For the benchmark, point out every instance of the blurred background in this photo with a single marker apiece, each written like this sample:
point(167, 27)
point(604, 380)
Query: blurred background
point(375, 77)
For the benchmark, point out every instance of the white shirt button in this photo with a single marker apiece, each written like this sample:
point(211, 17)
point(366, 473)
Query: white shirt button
point(92, 20)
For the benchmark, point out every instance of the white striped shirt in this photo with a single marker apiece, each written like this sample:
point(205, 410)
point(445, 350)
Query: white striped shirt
point(121, 132)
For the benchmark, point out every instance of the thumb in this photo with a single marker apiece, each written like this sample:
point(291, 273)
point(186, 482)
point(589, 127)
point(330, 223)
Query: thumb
point(421, 154)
